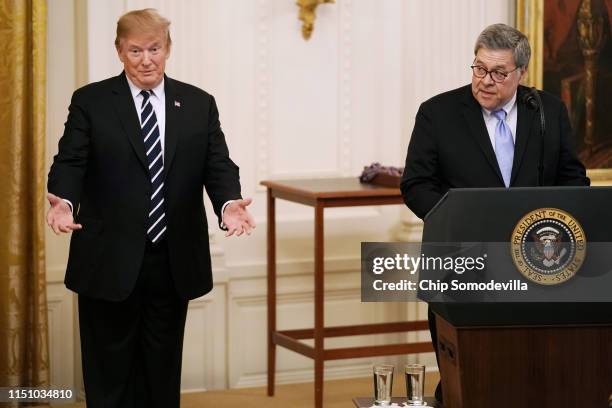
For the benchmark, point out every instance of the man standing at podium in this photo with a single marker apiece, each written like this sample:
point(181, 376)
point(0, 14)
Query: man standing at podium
point(487, 134)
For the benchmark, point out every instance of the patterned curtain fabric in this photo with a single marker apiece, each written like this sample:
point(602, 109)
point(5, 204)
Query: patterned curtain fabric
point(24, 358)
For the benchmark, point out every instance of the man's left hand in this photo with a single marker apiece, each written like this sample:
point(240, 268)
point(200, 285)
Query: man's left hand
point(237, 218)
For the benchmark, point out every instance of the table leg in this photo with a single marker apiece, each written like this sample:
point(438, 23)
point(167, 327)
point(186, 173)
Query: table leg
point(271, 291)
point(319, 320)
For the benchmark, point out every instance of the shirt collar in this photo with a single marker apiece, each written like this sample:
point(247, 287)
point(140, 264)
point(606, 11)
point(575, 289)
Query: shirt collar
point(157, 91)
point(507, 107)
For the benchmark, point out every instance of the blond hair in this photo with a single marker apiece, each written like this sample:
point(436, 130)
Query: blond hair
point(147, 21)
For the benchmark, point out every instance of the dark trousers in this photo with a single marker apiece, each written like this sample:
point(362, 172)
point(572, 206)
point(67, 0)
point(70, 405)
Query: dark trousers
point(132, 349)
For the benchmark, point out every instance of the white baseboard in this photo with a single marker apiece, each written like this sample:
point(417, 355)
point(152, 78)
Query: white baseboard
point(305, 375)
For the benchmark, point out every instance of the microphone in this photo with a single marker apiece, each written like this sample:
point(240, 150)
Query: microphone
point(530, 100)
point(533, 101)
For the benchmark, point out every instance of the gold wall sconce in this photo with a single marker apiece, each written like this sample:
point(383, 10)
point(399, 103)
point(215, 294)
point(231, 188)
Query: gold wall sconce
point(308, 15)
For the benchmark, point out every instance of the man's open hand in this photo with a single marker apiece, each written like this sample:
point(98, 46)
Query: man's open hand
point(59, 217)
point(237, 218)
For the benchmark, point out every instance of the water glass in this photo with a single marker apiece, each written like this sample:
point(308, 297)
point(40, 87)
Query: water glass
point(383, 384)
point(415, 384)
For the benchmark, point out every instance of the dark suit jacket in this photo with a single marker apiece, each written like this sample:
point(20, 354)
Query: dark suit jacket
point(101, 168)
point(450, 148)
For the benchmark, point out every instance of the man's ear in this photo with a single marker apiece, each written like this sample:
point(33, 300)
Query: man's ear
point(118, 48)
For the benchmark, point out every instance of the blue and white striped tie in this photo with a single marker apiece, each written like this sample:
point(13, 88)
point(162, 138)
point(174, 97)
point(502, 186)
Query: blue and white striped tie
point(156, 226)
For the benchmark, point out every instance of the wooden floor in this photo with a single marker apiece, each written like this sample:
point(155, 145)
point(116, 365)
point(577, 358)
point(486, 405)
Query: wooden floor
point(337, 394)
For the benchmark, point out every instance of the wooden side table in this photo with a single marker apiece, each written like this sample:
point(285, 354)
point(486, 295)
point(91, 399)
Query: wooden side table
point(320, 194)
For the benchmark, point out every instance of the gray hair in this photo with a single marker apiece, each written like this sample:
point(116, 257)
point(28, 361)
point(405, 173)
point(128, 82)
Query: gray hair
point(504, 37)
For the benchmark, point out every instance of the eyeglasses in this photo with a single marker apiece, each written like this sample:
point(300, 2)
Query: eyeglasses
point(496, 75)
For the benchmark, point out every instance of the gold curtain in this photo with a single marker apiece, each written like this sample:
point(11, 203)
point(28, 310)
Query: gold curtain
point(24, 357)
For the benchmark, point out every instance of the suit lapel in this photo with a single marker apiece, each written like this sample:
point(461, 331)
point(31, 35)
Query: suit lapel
point(473, 115)
point(524, 124)
point(124, 104)
point(173, 120)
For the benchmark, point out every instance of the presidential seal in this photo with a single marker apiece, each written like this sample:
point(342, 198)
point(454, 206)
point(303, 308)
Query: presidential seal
point(548, 246)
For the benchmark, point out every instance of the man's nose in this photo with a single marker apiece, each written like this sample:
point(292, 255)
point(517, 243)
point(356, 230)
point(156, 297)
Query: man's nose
point(146, 58)
point(488, 79)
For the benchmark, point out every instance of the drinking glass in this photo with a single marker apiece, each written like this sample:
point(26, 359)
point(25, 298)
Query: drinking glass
point(383, 384)
point(415, 384)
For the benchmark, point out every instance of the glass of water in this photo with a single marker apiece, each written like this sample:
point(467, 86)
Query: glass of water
point(383, 384)
point(415, 384)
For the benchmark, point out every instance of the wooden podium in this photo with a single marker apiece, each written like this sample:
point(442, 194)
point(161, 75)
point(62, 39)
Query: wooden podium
point(559, 366)
point(541, 353)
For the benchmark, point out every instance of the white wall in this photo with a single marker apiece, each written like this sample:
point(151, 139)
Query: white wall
point(61, 80)
point(289, 108)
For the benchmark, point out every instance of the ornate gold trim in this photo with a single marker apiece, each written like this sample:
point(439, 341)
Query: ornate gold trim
point(308, 15)
point(600, 177)
point(530, 21)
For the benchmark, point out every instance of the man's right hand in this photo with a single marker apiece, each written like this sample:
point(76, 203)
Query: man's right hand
point(59, 217)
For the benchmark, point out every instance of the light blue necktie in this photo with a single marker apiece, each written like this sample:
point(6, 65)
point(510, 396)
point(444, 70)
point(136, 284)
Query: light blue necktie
point(504, 146)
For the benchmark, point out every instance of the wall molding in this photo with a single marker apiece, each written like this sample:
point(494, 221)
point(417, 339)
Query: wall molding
point(345, 80)
point(60, 307)
point(262, 90)
point(205, 336)
point(305, 375)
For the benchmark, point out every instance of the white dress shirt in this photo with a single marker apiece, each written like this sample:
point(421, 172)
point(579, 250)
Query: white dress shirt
point(511, 117)
point(158, 101)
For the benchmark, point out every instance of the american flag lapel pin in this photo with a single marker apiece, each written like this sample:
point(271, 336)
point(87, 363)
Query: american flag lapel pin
point(177, 104)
